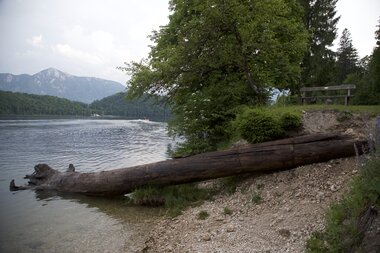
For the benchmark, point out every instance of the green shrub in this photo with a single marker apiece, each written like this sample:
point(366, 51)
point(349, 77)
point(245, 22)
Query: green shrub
point(256, 197)
point(227, 211)
point(175, 198)
point(290, 121)
point(257, 126)
point(344, 116)
point(284, 100)
point(202, 215)
point(256, 194)
point(229, 184)
point(148, 196)
point(341, 233)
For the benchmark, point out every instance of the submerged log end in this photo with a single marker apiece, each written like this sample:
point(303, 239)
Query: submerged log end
point(71, 168)
point(13, 187)
point(41, 175)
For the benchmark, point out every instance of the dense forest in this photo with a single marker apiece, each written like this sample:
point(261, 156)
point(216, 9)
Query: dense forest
point(144, 107)
point(30, 104)
point(116, 105)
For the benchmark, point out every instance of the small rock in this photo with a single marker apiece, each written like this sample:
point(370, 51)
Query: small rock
point(320, 193)
point(284, 232)
point(349, 131)
point(278, 193)
point(333, 188)
point(206, 238)
point(230, 229)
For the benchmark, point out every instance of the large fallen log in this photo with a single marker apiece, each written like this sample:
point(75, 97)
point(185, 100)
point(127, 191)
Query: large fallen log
point(273, 155)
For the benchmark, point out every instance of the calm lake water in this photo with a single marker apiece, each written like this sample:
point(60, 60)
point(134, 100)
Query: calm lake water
point(45, 222)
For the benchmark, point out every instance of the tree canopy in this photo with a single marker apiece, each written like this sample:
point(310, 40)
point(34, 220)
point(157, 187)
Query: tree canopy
point(348, 58)
point(368, 79)
point(214, 56)
point(320, 20)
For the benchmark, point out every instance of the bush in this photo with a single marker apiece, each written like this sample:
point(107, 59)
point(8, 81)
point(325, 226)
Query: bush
point(175, 198)
point(256, 126)
point(229, 184)
point(227, 211)
point(342, 233)
point(290, 121)
point(344, 116)
point(202, 215)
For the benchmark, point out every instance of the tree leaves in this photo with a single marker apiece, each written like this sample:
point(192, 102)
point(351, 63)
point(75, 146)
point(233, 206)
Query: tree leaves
point(228, 52)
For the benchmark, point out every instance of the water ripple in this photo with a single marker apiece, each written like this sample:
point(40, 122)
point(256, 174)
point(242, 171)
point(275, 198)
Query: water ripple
point(38, 222)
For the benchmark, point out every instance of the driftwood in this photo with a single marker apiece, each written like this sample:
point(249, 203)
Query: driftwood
point(273, 155)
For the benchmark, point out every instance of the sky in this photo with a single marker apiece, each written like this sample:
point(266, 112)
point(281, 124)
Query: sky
point(94, 37)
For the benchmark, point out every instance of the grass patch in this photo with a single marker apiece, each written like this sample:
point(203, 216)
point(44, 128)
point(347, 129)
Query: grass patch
point(174, 198)
point(373, 110)
point(202, 215)
point(256, 197)
point(341, 233)
point(229, 184)
point(256, 194)
point(344, 116)
point(227, 211)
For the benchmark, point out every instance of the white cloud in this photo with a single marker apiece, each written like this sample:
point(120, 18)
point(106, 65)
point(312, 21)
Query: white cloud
point(76, 54)
point(68, 35)
point(36, 41)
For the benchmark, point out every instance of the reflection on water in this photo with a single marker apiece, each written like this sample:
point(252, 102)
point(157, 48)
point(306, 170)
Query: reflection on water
point(47, 222)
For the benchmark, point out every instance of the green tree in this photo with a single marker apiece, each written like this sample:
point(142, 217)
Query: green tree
point(318, 63)
point(374, 66)
point(367, 78)
point(347, 62)
point(214, 56)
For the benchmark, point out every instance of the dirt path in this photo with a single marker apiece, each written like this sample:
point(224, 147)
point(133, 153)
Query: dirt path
point(270, 213)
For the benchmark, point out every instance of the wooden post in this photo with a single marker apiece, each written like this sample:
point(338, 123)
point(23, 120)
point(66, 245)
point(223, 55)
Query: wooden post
point(303, 98)
point(347, 100)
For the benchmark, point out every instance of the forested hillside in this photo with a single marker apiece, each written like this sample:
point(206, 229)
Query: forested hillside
point(28, 104)
point(116, 105)
point(144, 107)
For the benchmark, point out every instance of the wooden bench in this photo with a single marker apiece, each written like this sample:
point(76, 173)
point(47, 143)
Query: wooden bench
point(347, 97)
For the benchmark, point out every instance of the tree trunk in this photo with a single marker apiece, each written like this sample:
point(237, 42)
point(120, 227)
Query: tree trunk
point(273, 155)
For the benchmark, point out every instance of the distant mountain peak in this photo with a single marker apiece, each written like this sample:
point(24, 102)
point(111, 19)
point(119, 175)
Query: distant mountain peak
point(54, 82)
point(52, 73)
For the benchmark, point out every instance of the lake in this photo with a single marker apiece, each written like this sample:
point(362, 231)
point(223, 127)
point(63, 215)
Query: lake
point(46, 222)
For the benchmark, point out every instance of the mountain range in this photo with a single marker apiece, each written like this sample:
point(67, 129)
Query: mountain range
point(54, 82)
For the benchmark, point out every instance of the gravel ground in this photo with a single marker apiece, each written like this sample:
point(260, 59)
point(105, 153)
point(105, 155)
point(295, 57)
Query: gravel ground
point(292, 206)
point(274, 212)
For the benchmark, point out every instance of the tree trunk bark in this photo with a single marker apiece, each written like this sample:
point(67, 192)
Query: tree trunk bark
point(273, 155)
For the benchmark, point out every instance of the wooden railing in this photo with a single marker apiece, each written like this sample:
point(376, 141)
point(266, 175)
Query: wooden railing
point(347, 97)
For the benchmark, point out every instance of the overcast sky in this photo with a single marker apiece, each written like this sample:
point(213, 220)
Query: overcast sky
point(93, 37)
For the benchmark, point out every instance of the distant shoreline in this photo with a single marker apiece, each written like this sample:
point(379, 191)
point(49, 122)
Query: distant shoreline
point(39, 117)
